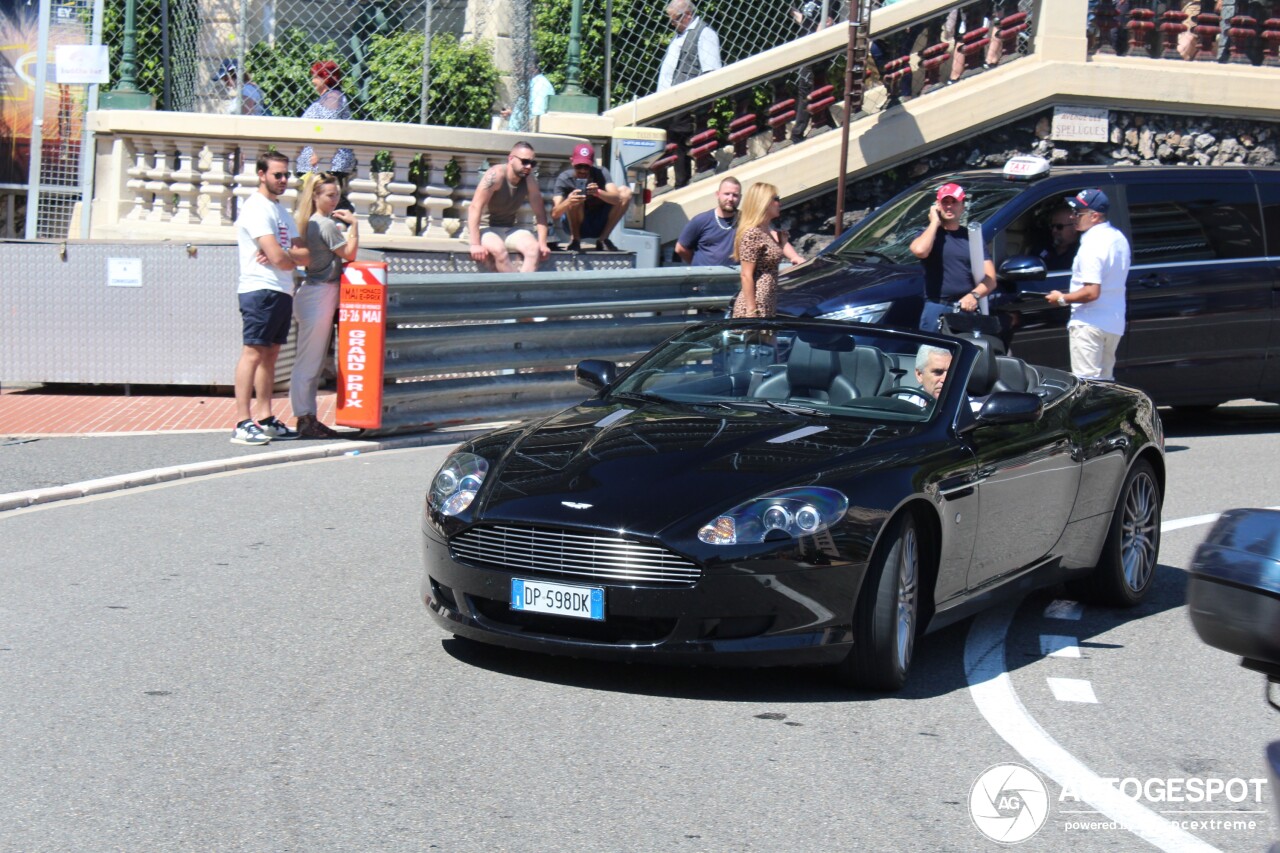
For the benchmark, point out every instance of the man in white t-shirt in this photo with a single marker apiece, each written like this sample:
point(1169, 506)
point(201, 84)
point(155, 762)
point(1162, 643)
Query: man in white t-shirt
point(270, 250)
point(1097, 296)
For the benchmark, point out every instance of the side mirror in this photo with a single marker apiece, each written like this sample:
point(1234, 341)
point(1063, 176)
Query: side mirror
point(1010, 407)
point(1234, 591)
point(595, 373)
point(1022, 268)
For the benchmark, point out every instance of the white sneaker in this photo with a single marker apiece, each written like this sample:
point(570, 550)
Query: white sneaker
point(277, 430)
point(248, 432)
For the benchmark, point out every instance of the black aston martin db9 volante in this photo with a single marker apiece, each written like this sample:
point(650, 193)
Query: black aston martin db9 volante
point(793, 491)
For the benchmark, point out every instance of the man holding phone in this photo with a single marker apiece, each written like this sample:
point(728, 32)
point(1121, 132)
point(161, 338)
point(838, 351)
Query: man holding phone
point(943, 248)
point(587, 202)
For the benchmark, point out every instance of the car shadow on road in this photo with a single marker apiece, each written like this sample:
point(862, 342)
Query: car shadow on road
point(938, 667)
point(1235, 419)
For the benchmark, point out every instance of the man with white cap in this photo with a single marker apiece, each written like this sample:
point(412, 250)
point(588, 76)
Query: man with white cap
point(943, 247)
point(586, 202)
point(1097, 295)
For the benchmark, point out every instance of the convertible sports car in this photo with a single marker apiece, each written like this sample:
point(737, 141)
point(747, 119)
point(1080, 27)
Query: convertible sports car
point(790, 491)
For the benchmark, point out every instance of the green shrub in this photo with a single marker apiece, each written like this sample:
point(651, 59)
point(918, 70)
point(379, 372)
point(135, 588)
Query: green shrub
point(464, 83)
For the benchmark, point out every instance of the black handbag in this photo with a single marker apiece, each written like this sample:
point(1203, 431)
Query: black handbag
point(966, 323)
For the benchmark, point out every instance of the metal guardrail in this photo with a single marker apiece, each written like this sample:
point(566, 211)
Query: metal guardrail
point(482, 348)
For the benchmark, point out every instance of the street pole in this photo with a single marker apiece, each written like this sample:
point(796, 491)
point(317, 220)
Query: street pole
point(855, 81)
point(573, 100)
point(126, 95)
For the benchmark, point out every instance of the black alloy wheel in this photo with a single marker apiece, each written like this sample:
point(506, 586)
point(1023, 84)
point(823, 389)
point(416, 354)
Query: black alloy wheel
point(886, 616)
point(1127, 566)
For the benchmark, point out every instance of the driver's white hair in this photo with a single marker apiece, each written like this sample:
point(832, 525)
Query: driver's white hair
point(927, 352)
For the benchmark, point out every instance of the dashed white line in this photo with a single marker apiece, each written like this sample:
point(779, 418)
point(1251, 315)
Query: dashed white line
point(1072, 690)
point(1059, 646)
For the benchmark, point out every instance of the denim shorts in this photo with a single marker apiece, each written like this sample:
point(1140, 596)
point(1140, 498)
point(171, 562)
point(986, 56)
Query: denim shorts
point(266, 315)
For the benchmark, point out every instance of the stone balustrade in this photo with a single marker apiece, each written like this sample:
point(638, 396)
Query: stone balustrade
point(178, 176)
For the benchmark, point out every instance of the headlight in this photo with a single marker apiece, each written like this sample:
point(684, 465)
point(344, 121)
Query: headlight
point(859, 313)
point(457, 482)
point(793, 512)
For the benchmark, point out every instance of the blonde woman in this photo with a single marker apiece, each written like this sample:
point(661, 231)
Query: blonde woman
point(316, 298)
point(759, 247)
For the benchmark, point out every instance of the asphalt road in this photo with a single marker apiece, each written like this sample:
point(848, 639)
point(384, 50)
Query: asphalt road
point(242, 662)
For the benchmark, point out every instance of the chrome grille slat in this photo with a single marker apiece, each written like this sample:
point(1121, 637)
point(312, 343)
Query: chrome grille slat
point(565, 553)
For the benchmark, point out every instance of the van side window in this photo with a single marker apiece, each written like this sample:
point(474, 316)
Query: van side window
point(1177, 222)
point(1032, 233)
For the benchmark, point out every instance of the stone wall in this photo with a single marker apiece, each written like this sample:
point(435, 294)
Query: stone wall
point(1136, 139)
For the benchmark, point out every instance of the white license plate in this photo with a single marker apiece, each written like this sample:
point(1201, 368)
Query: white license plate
point(559, 599)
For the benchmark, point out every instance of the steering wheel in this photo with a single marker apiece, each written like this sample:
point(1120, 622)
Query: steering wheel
point(906, 392)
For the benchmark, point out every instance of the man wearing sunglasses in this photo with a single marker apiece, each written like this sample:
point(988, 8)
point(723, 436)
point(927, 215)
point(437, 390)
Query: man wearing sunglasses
point(270, 250)
point(491, 219)
point(1063, 240)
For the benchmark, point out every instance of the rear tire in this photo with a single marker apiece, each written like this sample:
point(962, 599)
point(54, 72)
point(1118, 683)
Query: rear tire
point(886, 616)
point(1129, 557)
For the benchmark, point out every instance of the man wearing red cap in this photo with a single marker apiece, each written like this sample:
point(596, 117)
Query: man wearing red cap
point(586, 202)
point(1099, 276)
point(948, 275)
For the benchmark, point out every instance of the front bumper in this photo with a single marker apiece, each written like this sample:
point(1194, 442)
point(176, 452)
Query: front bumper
point(760, 612)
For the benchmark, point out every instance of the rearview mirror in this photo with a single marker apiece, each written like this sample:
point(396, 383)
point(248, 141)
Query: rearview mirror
point(1021, 268)
point(1010, 407)
point(595, 373)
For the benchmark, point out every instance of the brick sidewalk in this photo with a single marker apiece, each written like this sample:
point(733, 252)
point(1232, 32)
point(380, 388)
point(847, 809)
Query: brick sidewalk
point(36, 411)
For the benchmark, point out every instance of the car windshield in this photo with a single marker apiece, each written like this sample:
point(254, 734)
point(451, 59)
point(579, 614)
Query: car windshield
point(886, 234)
point(809, 370)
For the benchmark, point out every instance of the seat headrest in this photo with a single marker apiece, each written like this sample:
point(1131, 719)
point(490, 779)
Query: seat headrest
point(809, 367)
point(982, 379)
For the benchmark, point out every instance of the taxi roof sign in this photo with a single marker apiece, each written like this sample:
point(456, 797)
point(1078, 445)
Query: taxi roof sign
point(1025, 168)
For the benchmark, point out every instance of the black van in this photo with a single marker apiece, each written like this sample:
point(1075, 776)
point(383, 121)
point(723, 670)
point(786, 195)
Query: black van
point(1202, 319)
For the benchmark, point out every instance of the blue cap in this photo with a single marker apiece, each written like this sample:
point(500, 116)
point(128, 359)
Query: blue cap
point(1095, 200)
point(227, 69)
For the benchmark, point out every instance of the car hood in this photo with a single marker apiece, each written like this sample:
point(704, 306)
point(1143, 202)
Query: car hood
point(645, 467)
point(831, 283)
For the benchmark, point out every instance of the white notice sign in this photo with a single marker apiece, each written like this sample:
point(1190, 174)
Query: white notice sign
point(80, 64)
point(1081, 124)
point(124, 272)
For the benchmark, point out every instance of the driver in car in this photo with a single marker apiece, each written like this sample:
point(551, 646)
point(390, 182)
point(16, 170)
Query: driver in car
point(932, 365)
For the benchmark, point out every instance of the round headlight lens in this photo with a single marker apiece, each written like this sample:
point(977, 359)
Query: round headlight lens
point(456, 483)
point(776, 518)
point(808, 518)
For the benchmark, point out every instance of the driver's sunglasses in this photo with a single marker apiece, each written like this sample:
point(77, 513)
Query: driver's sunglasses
point(528, 162)
point(1056, 227)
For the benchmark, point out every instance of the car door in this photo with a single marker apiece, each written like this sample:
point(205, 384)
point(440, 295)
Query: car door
point(1027, 478)
point(1200, 288)
point(1269, 193)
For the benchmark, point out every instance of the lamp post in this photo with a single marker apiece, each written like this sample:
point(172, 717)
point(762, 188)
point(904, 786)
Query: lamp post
point(574, 100)
point(126, 95)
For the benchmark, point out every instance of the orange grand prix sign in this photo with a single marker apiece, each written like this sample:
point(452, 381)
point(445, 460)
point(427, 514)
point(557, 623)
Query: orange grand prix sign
point(362, 312)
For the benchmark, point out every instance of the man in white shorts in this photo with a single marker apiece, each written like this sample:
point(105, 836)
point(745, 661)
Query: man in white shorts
point(502, 191)
point(1097, 296)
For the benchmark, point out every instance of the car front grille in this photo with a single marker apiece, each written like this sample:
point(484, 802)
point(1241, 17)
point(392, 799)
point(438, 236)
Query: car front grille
point(573, 555)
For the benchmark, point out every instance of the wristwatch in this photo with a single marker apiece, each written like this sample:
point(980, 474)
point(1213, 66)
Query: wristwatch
point(1062, 300)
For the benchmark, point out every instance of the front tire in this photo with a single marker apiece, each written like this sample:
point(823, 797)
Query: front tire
point(886, 616)
point(1127, 566)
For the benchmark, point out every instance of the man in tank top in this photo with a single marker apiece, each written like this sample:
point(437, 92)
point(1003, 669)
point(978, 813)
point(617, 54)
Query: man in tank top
point(491, 219)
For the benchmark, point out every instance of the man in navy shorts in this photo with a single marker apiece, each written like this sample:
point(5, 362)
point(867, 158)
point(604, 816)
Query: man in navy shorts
point(587, 202)
point(270, 250)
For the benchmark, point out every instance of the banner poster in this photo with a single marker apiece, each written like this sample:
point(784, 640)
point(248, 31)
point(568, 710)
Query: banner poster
point(64, 109)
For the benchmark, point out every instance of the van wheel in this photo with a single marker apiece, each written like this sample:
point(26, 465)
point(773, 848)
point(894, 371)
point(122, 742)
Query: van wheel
point(886, 616)
point(1127, 566)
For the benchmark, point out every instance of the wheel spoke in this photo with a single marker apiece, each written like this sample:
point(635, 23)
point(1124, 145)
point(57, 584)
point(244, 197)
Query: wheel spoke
point(1139, 533)
point(908, 578)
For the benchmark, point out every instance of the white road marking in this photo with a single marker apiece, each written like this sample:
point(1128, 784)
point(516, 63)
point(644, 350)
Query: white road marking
point(992, 691)
point(1072, 690)
point(1063, 609)
point(1059, 646)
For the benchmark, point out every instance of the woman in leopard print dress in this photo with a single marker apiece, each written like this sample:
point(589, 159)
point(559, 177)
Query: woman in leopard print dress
point(759, 247)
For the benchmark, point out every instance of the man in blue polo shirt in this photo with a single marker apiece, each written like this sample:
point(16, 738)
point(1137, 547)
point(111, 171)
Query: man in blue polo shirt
point(707, 239)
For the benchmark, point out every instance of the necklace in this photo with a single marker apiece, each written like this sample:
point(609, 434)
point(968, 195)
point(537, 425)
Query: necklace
point(723, 227)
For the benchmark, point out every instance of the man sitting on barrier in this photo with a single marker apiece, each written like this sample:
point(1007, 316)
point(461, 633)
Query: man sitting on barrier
point(502, 191)
point(587, 202)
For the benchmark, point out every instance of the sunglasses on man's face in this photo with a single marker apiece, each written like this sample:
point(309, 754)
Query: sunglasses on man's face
point(526, 161)
point(279, 175)
point(1059, 226)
